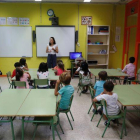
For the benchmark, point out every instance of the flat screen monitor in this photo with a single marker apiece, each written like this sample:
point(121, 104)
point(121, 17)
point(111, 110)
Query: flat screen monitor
point(74, 55)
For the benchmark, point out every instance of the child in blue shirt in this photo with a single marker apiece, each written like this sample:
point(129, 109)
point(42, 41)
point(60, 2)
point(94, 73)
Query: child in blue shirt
point(98, 87)
point(65, 92)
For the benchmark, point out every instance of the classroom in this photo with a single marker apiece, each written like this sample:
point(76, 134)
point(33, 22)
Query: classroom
point(69, 69)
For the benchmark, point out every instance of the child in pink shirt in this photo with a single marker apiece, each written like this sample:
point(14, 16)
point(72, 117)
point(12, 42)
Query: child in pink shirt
point(60, 69)
point(22, 76)
point(130, 70)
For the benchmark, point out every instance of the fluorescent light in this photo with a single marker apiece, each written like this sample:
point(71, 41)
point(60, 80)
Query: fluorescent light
point(87, 0)
point(38, 0)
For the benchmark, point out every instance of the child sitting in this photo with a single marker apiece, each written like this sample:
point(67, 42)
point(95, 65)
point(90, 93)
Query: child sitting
point(86, 76)
point(56, 67)
point(111, 100)
point(66, 92)
point(22, 76)
point(23, 63)
point(17, 65)
point(60, 68)
point(77, 68)
point(98, 87)
point(43, 74)
point(130, 70)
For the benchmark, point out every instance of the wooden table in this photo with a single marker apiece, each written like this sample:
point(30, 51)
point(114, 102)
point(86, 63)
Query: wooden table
point(128, 95)
point(10, 102)
point(110, 72)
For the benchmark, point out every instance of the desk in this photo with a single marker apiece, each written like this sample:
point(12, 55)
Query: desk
point(128, 95)
point(40, 102)
point(10, 102)
point(110, 72)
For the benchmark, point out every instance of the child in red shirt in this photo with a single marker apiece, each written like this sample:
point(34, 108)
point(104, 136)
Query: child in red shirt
point(60, 69)
point(56, 67)
point(17, 65)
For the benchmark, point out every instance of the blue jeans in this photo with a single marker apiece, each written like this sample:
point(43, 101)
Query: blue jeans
point(51, 61)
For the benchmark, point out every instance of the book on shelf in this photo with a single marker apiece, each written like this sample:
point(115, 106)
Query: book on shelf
point(90, 30)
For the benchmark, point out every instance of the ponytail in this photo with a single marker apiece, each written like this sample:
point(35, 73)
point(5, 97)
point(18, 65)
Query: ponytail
point(19, 74)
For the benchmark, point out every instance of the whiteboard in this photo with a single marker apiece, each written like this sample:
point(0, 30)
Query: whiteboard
point(64, 37)
point(15, 41)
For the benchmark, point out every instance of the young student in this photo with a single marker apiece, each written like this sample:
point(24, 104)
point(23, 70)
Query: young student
point(77, 69)
point(98, 87)
point(111, 100)
point(56, 67)
point(17, 65)
point(60, 68)
point(86, 76)
point(130, 70)
point(66, 92)
point(23, 63)
point(22, 76)
point(42, 73)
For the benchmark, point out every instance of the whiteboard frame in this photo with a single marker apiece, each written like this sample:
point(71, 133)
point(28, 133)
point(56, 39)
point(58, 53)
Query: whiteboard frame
point(54, 26)
point(31, 43)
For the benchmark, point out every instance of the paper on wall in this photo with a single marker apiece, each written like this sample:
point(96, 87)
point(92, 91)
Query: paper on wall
point(2, 20)
point(12, 21)
point(24, 21)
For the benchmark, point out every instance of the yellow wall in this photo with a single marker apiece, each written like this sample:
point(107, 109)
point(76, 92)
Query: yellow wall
point(68, 15)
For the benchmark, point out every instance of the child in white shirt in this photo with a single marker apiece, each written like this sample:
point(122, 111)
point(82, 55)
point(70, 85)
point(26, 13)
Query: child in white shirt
point(42, 74)
point(111, 100)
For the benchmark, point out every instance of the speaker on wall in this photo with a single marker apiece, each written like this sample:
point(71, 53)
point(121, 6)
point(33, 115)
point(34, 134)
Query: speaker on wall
point(76, 36)
point(34, 36)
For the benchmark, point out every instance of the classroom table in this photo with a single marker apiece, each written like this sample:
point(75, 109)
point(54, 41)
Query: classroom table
point(10, 102)
point(33, 73)
point(39, 103)
point(110, 72)
point(128, 95)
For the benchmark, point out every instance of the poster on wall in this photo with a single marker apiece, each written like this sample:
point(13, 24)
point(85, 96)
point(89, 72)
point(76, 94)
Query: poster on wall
point(12, 21)
point(86, 20)
point(24, 21)
point(2, 20)
point(118, 34)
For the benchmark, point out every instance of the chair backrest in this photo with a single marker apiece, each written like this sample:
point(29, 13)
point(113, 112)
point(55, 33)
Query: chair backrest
point(9, 76)
point(40, 82)
point(92, 92)
point(71, 99)
point(20, 84)
point(103, 102)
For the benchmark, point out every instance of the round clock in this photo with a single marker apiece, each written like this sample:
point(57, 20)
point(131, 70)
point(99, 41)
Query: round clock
point(50, 12)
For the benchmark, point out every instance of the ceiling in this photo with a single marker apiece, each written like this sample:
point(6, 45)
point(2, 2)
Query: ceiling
point(71, 1)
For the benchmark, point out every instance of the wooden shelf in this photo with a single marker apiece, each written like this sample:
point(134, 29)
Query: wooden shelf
point(97, 44)
point(97, 54)
point(98, 34)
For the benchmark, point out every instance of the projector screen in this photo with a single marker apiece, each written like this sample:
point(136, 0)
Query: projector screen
point(15, 41)
point(64, 37)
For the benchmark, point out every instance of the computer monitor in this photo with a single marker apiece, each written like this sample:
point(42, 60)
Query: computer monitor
point(74, 55)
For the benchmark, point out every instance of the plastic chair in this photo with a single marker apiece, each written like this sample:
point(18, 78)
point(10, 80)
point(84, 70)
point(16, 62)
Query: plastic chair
point(119, 116)
point(67, 111)
point(0, 89)
point(80, 85)
point(40, 82)
point(9, 78)
point(19, 84)
point(97, 104)
point(48, 121)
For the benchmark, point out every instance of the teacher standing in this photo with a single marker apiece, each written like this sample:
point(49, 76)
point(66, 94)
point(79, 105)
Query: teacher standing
point(52, 49)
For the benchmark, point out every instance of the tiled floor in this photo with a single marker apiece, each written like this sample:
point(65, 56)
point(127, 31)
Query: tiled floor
point(84, 129)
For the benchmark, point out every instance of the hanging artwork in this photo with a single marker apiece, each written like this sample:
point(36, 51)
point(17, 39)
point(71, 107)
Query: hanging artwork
point(86, 20)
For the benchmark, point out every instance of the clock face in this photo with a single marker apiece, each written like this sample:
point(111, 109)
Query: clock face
point(50, 12)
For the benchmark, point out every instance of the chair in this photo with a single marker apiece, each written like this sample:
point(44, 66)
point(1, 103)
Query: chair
point(68, 110)
point(9, 78)
point(48, 121)
point(137, 81)
point(119, 116)
point(0, 89)
point(19, 84)
point(40, 82)
point(97, 104)
point(80, 85)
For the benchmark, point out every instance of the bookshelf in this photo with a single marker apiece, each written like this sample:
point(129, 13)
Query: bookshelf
point(98, 38)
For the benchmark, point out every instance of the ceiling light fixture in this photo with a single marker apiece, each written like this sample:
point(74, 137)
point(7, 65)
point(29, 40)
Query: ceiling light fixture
point(38, 0)
point(87, 0)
